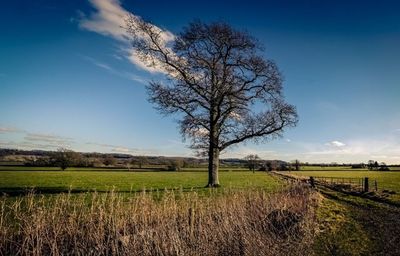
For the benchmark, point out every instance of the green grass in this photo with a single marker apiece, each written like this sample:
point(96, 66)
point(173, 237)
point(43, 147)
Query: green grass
point(339, 168)
point(145, 168)
point(57, 181)
point(340, 234)
point(330, 168)
point(351, 225)
point(29, 168)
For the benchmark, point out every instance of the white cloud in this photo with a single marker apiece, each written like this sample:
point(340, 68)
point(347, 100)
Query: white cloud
point(384, 148)
point(122, 150)
point(109, 20)
point(133, 57)
point(335, 143)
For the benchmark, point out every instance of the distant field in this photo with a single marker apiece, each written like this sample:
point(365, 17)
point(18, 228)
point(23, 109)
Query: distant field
point(329, 168)
point(58, 181)
point(338, 168)
point(151, 168)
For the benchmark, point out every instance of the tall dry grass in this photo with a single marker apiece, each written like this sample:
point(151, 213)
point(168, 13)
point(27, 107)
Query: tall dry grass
point(229, 223)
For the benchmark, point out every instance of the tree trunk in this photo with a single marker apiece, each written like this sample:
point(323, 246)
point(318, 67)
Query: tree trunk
point(213, 165)
point(213, 151)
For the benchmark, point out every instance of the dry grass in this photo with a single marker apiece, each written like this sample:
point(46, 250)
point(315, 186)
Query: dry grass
point(250, 222)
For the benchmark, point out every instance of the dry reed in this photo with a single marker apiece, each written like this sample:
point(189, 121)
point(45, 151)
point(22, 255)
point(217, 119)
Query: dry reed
point(251, 222)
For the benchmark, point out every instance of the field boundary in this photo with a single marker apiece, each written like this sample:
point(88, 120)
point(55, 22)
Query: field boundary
point(318, 185)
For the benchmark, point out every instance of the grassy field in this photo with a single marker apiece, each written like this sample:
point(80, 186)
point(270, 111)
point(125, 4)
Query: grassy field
point(329, 168)
point(58, 181)
point(339, 168)
point(146, 168)
point(346, 223)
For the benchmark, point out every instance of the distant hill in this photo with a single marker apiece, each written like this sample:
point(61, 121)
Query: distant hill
point(21, 157)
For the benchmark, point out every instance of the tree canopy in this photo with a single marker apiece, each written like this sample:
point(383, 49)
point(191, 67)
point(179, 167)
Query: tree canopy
point(218, 78)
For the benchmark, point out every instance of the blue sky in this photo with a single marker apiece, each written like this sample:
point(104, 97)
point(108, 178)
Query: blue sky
point(67, 78)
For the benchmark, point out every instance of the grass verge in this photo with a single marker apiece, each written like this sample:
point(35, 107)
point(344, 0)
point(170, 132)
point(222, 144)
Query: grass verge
point(246, 222)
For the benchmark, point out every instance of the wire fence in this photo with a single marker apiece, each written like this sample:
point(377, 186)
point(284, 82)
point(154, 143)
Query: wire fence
point(363, 187)
point(345, 183)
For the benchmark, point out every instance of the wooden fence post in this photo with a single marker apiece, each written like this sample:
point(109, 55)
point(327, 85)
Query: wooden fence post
point(191, 220)
point(366, 185)
point(312, 182)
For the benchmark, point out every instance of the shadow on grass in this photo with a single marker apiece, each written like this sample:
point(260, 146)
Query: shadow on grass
point(377, 222)
point(21, 191)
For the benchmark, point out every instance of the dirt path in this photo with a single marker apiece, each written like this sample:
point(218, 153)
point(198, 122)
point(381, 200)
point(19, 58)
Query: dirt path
point(369, 228)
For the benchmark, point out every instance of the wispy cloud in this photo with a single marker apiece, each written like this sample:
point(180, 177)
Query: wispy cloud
point(49, 138)
point(242, 151)
point(116, 56)
point(5, 129)
point(22, 139)
point(126, 150)
point(108, 19)
point(101, 144)
point(134, 151)
point(123, 149)
point(27, 145)
point(335, 143)
point(123, 74)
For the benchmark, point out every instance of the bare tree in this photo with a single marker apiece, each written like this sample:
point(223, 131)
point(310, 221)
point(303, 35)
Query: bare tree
point(371, 165)
point(109, 160)
point(252, 162)
point(64, 158)
point(175, 164)
point(296, 164)
point(140, 161)
point(217, 78)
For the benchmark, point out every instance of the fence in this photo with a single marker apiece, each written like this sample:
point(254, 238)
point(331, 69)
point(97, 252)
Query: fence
point(338, 183)
point(353, 186)
point(345, 183)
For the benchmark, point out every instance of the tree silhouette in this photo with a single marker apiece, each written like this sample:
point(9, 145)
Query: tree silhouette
point(64, 158)
point(296, 164)
point(220, 83)
point(252, 161)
